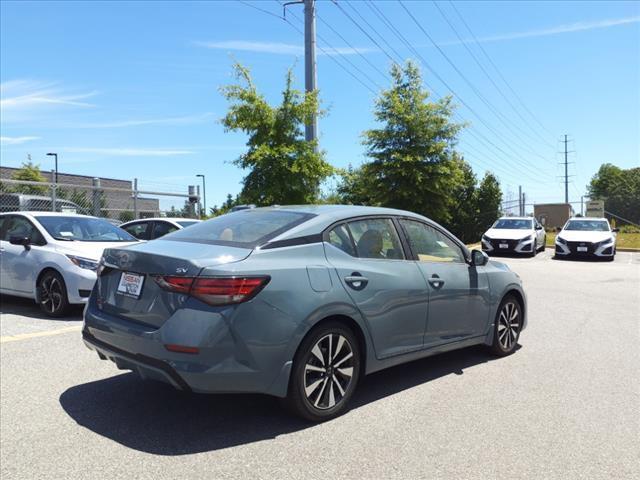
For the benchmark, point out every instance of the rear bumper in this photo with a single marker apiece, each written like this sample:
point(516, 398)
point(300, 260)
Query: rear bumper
point(79, 281)
point(227, 361)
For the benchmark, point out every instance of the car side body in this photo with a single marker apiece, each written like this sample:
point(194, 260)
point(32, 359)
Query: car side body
point(400, 306)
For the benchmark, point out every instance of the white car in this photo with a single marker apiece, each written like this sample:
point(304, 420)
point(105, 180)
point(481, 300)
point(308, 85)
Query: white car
point(587, 237)
point(514, 235)
point(152, 228)
point(53, 257)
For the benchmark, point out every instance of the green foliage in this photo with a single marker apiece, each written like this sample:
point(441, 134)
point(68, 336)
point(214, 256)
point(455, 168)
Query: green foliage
point(465, 206)
point(283, 167)
point(489, 203)
point(620, 189)
point(29, 172)
point(228, 204)
point(413, 165)
point(126, 216)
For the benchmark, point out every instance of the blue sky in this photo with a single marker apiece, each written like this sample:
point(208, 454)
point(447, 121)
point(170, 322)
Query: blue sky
point(130, 89)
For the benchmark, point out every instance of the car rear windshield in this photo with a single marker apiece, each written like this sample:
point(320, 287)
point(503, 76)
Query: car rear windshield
point(245, 228)
point(588, 225)
point(513, 224)
point(83, 229)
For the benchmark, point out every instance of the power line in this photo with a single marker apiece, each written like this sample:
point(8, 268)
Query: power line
point(485, 140)
point(475, 39)
point(490, 106)
point(497, 87)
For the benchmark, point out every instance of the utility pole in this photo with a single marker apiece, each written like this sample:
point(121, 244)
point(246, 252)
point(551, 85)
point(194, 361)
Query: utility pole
point(566, 172)
point(520, 200)
point(311, 131)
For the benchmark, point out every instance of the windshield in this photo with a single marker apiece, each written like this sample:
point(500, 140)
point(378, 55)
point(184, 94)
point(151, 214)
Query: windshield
point(513, 224)
point(186, 223)
point(83, 229)
point(245, 228)
point(588, 225)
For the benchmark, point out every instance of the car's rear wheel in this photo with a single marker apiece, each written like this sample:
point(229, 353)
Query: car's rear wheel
point(507, 326)
point(52, 294)
point(325, 372)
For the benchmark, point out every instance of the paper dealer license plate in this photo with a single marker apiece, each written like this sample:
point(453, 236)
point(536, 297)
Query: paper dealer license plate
point(582, 249)
point(130, 284)
point(504, 245)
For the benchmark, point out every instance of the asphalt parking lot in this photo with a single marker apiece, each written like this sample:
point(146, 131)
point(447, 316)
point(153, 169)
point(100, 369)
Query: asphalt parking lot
point(565, 405)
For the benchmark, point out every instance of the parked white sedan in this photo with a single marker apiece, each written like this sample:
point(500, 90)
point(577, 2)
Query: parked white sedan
point(152, 228)
point(514, 235)
point(587, 237)
point(53, 257)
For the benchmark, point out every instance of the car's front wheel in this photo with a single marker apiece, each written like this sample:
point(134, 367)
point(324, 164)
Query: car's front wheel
point(52, 294)
point(507, 326)
point(325, 372)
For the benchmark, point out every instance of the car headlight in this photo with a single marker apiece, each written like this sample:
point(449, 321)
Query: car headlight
point(84, 262)
point(527, 238)
point(561, 240)
point(605, 242)
point(486, 239)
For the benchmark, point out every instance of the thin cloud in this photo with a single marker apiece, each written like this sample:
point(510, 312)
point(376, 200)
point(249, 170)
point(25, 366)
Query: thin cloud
point(130, 152)
point(24, 94)
point(184, 120)
point(277, 48)
point(16, 140)
point(567, 28)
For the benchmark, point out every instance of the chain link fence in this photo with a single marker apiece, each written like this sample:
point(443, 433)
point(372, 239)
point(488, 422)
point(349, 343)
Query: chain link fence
point(98, 199)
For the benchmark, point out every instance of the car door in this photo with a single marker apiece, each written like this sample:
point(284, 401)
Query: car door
point(140, 230)
point(161, 228)
point(459, 295)
point(389, 291)
point(19, 264)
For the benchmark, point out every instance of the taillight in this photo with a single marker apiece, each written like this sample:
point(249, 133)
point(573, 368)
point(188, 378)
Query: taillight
point(215, 290)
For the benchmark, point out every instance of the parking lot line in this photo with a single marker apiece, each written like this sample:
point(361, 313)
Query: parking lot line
point(47, 333)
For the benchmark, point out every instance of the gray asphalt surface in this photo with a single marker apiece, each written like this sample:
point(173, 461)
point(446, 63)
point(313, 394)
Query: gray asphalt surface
point(565, 405)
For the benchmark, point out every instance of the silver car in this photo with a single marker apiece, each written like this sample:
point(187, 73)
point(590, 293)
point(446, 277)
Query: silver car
point(298, 302)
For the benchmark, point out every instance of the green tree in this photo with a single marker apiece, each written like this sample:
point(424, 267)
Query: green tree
point(412, 163)
point(464, 210)
point(489, 203)
point(228, 204)
point(29, 172)
point(283, 167)
point(620, 189)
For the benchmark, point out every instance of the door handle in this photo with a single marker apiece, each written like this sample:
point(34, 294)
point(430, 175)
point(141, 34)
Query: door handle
point(435, 281)
point(356, 281)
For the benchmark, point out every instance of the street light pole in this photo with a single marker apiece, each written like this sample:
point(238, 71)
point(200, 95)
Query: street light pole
point(204, 192)
point(56, 159)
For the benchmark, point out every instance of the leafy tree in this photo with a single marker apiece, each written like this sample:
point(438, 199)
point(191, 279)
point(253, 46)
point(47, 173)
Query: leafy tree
point(489, 203)
point(412, 163)
point(620, 189)
point(283, 167)
point(465, 204)
point(356, 186)
point(228, 204)
point(29, 172)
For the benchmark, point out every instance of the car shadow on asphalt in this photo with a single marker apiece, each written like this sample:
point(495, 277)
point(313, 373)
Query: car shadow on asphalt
point(26, 307)
point(154, 418)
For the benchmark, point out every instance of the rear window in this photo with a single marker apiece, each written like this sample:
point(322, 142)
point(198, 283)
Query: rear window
point(245, 228)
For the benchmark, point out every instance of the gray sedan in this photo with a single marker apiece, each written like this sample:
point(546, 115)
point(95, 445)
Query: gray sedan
point(298, 302)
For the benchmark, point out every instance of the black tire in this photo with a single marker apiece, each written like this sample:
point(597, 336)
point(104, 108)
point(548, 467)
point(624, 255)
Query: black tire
point(544, 244)
point(52, 294)
point(314, 403)
point(506, 345)
point(534, 248)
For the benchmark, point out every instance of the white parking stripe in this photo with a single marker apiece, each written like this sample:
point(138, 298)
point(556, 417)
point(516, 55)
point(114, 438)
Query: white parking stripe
point(47, 333)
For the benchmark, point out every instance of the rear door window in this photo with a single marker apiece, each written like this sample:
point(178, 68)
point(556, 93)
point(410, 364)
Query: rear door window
point(162, 228)
point(376, 238)
point(340, 238)
point(139, 230)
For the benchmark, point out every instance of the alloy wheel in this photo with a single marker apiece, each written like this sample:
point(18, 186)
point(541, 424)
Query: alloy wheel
point(508, 325)
point(51, 294)
point(328, 371)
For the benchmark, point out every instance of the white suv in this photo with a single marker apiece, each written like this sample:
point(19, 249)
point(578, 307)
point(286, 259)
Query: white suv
point(53, 257)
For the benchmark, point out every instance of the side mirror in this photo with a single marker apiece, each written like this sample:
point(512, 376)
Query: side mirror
point(479, 258)
point(615, 230)
point(538, 227)
point(24, 241)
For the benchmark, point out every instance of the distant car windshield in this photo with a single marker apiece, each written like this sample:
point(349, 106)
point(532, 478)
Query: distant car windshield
point(245, 228)
point(83, 229)
point(513, 224)
point(186, 223)
point(588, 225)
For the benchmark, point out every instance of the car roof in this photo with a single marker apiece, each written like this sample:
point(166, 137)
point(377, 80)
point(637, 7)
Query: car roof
point(33, 213)
point(589, 219)
point(158, 219)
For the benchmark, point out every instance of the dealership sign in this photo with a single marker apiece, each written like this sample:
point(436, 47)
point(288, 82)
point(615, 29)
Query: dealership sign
point(595, 208)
